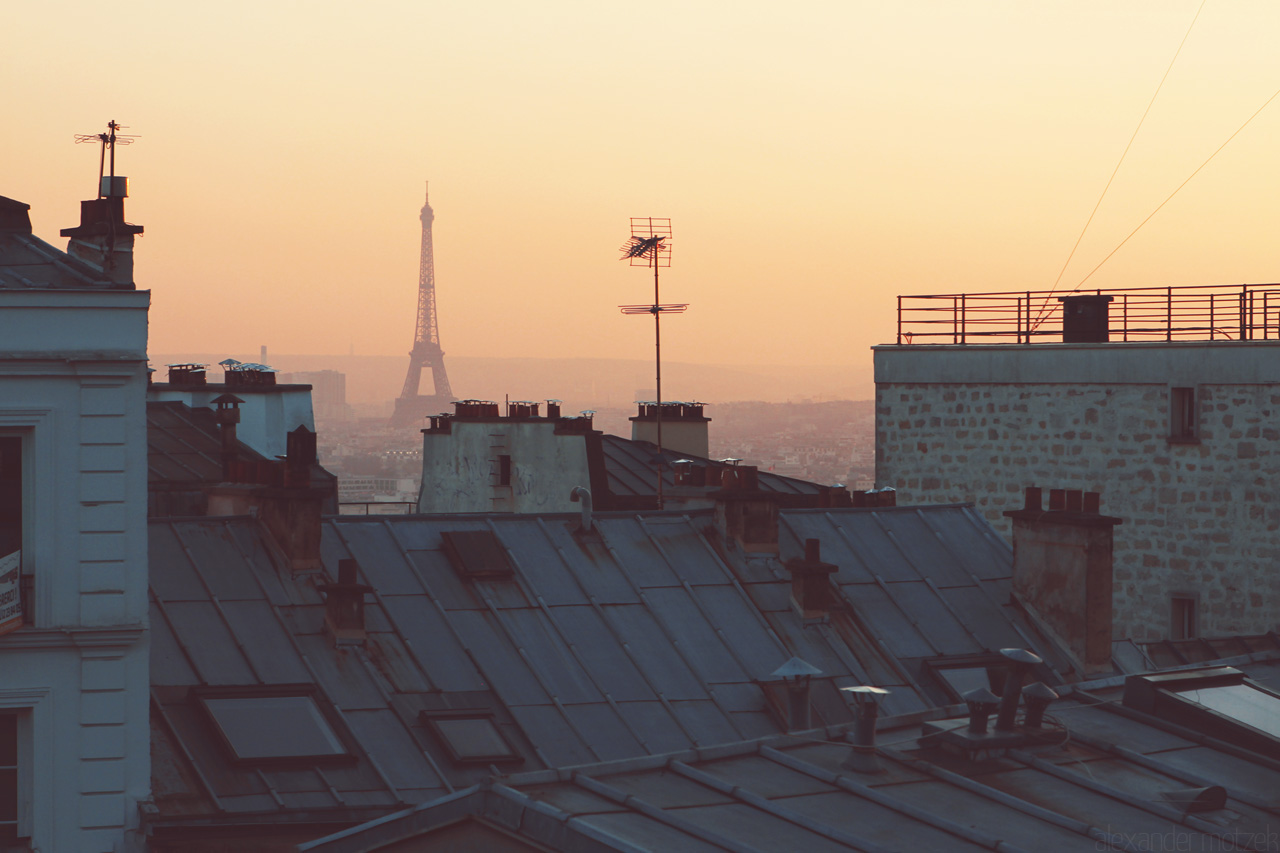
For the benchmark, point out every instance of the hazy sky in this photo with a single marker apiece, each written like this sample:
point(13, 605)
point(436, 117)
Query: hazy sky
point(817, 159)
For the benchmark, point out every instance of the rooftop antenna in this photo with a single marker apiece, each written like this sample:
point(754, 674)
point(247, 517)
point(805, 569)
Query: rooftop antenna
point(109, 141)
point(650, 246)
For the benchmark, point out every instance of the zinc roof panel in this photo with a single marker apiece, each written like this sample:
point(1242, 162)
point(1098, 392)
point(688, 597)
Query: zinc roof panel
point(990, 622)
point(639, 559)
point(381, 561)
point(648, 834)
point(171, 575)
point(886, 622)
point(438, 576)
point(502, 666)
point(764, 777)
point(921, 548)
point(218, 560)
point(705, 723)
point(555, 738)
point(422, 625)
point(933, 619)
point(539, 562)
point(666, 789)
point(265, 642)
point(1243, 774)
point(796, 527)
point(248, 536)
point(605, 659)
point(342, 677)
point(973, 545)
point(382, 736)
point(745, 630)
point(653, 724)
point(745, 696)
point(760, 829)
point(550, 657)
point(1084, 805)
point(769, 597)
point(209, 643)
point(665, 669)
point(606, 732)
point(592, 565)
point(808, 643)
point(695, 634)
point(168, 665)
point(869, 550)
point(877, 824)
point(687, 552)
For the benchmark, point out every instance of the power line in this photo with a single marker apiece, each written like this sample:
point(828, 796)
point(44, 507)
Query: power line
point(1115, 171)
point(1265, 104)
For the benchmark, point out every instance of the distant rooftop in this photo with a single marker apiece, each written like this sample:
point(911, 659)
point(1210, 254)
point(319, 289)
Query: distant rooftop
point(1228, 312)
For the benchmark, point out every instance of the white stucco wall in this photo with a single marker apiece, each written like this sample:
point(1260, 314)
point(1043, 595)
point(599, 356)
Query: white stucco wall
point(72, 386)
point(460, 468)
point(267, 415)
point(981, 423)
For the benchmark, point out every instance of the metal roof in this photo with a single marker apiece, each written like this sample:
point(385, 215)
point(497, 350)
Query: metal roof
point(1100, 785)
point(645, 636)
point(629, 466)
point(27, 262)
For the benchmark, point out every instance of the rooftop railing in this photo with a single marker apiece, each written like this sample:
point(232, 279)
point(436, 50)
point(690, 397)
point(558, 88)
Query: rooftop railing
point(1192, 313)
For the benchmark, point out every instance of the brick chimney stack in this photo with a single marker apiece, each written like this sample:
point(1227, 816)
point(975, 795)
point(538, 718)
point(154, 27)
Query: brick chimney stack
point(1062, 567)
point(103, 238)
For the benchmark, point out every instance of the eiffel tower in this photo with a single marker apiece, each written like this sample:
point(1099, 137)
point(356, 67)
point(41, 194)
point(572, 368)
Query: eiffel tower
point(412, 406)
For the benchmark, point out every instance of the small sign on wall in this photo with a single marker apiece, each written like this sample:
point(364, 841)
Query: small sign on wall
point(10, 593)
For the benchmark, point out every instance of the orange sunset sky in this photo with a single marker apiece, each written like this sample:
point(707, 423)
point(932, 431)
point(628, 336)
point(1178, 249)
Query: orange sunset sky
point(816, 158)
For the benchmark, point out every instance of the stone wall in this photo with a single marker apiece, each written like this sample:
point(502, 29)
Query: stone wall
point(1200, 518)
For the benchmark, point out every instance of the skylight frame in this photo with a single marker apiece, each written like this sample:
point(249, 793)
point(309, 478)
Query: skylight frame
point(1162, 695)
point(431, 719)
point(325, 712)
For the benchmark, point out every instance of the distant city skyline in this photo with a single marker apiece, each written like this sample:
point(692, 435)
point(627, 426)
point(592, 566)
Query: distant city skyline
point(816, 159)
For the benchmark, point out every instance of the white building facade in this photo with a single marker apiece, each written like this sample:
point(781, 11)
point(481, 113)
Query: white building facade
point(74, 681)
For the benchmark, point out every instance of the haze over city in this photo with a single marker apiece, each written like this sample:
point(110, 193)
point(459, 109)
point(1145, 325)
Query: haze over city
point(816, 159)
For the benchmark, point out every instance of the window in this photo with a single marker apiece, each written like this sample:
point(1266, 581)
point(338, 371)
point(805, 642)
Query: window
point(471, 736)
point(15, 780)
point(1216, 701)
point(962, 673)
point(276, 724)
point(476, 553)
point(8, 777)
point(1182, 414)
point(1184, 622)
point(15, 589)
point(504, 470)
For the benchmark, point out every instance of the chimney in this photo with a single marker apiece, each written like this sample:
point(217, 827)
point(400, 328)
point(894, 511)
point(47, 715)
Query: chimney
point(300, 456)
point(866, 711)
point(796, 675)
point(1037, 697)
point(812, 593)
point(344, 604)
point(1021, 662)
point(982, 704)
point(187, 374)
point(1062, 567)
point(103, 238)
point(227, 415)
point(745, 514)
point(684, 428)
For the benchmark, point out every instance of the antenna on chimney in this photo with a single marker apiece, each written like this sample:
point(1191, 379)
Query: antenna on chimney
point(650, 246)
point(109, 141)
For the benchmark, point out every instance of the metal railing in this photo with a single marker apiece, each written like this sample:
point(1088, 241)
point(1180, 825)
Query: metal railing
point(1240, 312)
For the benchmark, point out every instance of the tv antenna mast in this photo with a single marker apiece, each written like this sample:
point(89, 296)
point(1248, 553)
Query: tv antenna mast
point(650, 246)
point(109, 141)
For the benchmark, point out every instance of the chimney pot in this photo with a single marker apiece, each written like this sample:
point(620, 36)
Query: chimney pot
point(1021, 662)
point(1037, 696)
point(982, 704)
point(1075, 500)
point(1034, 500)
point(1057, 500)
point(862, 758)
point(1093, 503)
point(347, 571)
point(812, 550)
